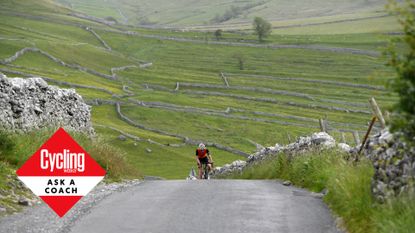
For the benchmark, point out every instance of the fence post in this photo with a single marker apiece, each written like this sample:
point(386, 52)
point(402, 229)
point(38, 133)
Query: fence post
point(343, 138)
point(224, 79)
point(322, 125)
point(356, 137)
point(387, 116)
point(367, 133)
point(289, 138)
point(377, 112)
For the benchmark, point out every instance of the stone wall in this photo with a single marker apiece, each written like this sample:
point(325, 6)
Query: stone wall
point(394, 165)
point(393, 161)
point(316, 140)
point(30, 104)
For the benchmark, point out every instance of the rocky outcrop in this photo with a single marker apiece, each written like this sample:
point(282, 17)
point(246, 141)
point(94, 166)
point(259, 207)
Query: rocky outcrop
point(303, 144)
point(394, 164)
point(29, 104)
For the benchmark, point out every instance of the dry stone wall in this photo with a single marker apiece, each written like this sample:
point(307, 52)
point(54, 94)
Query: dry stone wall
point(394, 165)
point(30, 104)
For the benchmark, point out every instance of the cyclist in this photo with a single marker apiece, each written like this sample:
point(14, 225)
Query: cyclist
point(203, 157)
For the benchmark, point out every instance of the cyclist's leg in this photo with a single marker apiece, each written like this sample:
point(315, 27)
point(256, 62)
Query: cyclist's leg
point(210, 166)
point(205, 171)
point(200, 171)
point(204, 164)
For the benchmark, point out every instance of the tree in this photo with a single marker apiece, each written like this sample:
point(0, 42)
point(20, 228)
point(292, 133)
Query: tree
point(262, 28)
point(218, 34)
point(403, 117)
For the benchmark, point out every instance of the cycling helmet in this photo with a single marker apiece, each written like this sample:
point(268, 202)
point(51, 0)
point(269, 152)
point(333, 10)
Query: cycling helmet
point(202, 146)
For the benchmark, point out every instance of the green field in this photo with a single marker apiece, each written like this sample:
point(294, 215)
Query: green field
point(301, 73)
point(218, 13)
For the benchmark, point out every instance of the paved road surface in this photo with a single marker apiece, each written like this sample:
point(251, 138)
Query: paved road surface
point(208, 206)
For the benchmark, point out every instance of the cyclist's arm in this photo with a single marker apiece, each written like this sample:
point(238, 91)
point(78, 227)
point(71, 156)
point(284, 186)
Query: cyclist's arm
point(209, 156)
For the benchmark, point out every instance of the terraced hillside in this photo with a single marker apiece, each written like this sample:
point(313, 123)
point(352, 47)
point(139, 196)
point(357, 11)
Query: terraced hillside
point(165, 90)
point(207, 15)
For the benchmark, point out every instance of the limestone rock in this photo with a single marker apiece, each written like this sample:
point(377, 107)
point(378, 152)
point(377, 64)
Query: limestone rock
point(287, 183)
point(23, 201)
point(30, 104)
point(344, 147)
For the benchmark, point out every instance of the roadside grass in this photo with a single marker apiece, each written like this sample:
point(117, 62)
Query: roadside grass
point(7, 178)
point(16, 148)
point(348, 187)
point(396, 216)
point(20, 146)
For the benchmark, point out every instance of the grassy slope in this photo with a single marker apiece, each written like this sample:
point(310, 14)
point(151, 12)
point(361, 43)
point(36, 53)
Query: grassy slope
point(53, 31)
point(187, 12)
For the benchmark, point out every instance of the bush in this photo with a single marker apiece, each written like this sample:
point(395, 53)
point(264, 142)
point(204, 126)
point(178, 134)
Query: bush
point(404, 84)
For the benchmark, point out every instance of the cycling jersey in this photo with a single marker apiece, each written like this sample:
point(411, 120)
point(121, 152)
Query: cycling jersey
point(202, 153)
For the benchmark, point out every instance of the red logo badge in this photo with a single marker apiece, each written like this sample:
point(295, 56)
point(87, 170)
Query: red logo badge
point(61, 172)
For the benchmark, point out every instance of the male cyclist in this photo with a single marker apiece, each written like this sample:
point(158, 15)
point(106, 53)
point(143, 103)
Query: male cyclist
point(203, 157)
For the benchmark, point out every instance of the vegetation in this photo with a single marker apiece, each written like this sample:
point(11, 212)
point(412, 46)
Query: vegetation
point(348, 189)
point(218, 34)
point(262, 28)
point(312, 66)
point(278, 92)
point(234, 12)
point(19, 147)
point(241, 60)
point(404, 64)
point(179, 13)
point(16, 148)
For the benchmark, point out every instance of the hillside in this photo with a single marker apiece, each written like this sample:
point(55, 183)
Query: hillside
point(232, 14)
point(169, 86)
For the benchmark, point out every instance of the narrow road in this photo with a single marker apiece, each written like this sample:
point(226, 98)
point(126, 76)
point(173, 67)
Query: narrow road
point(208, 206)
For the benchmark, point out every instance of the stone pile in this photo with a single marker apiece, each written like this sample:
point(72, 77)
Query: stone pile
point(394, 165)
point(30, 104)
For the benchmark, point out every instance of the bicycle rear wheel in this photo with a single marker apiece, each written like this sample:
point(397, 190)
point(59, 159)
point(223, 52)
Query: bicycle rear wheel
point(206, 172)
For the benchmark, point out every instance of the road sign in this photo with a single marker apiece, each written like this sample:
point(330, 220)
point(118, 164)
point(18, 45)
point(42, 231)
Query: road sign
point(61, 172)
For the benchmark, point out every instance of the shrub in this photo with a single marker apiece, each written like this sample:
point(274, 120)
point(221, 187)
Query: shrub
point(262, 28)
point(404, 84)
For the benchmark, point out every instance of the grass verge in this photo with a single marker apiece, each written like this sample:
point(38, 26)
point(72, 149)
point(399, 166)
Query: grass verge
point(15, 149)
point(348, 186)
